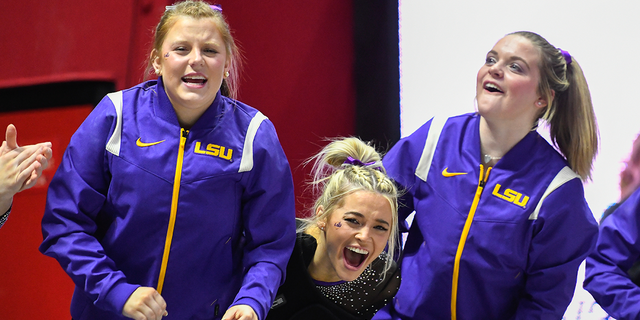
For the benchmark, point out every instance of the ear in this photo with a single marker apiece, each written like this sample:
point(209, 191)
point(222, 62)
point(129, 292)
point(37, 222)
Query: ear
point(543, 103)
point(321, 223)
point(155, 61)
point(227, 67)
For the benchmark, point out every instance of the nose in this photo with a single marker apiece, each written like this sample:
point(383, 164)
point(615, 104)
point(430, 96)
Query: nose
point(495, 70)
point(363, 234)
point(196, 58)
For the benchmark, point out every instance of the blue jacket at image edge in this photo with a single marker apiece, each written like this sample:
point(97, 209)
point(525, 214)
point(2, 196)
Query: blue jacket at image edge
point(516, 262)
point(617, 249)
point(109, 212)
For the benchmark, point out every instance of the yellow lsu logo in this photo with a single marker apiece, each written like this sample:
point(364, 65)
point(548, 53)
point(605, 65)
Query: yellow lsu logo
point(511, 196)
point(214, 150)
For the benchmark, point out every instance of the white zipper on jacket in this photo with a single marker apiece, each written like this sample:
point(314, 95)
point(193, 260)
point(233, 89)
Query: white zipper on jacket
point(174, 210)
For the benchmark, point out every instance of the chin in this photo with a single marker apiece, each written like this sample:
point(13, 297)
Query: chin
point(350, 276)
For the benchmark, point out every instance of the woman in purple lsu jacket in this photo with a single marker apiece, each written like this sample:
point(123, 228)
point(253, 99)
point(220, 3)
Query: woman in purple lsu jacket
point(173, 200)
point(501, 223)
point(617, 249)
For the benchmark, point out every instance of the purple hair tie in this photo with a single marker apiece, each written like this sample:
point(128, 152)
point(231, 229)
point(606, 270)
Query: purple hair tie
point(566, 55)
point(356, 162)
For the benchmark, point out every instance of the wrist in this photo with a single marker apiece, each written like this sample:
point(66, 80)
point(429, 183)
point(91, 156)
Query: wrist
point(5, 205)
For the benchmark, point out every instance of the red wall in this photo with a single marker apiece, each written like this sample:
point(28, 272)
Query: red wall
point(298, 70)
point(32, 285)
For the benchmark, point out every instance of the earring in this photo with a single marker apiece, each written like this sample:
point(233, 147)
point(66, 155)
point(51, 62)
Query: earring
point(226, 74)
point(539, 103)
point(157, 71)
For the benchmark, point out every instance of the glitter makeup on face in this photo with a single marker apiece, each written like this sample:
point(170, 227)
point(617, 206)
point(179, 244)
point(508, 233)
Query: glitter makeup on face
point(338, 224)
point(166, 55)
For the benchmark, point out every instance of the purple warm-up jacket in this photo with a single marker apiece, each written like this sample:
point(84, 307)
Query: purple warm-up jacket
point(206, 215)
point(617, 249)
point(499, 244)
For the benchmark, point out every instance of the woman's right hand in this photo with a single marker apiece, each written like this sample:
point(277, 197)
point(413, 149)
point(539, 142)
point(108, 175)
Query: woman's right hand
point(145, 304)
point(20, 166)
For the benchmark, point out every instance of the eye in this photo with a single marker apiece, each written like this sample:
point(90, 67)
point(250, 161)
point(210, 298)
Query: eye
point(515, 67)
point(490, 61)
point(181, 50)
point(352, 220)
point(381, 228)
point(210, 51)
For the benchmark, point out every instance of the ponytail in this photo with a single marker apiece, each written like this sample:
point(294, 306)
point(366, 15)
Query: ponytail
point(572, 122)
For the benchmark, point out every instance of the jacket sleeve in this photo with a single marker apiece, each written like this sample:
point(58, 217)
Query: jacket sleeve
point(617, 249)
point(268, 213)
point(401, 162)
point(75, 197)
point(564, 234)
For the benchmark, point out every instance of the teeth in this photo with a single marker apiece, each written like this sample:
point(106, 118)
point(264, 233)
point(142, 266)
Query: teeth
point(358, 250)
point(196, 78)
point(492, 86)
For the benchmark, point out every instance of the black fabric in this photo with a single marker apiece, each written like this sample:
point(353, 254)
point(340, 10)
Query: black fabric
point(5, 216)
point(299, 299)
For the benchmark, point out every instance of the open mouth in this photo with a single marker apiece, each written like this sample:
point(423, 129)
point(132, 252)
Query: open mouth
point(194, 79)
point(492, 87)
point(355, 257)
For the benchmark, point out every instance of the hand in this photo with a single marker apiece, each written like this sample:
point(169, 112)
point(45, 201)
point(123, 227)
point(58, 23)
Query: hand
point(240, 312)
point(145, 304)
point(41, 162)
point(20, 167)
point(31, 167)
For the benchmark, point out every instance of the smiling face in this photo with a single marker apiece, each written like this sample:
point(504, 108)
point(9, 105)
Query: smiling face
point(192, 63)
point(355, 234)
point(507, 84)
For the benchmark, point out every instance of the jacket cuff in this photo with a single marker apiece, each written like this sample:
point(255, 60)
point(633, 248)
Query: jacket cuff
point(251, 303)
point(118, 296)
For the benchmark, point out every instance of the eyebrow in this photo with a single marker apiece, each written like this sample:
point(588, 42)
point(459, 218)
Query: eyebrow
point(186, 41)
point(362, 216)
point(512, 58)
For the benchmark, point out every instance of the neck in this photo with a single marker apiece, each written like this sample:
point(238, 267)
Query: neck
point(496, 139)
point(320, 267)
point(187, 118)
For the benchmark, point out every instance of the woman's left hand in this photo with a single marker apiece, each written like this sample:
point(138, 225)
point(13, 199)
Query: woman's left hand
point(240, 312)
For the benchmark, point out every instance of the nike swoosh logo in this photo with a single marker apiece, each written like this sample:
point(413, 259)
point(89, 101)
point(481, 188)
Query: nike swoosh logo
point(145, 144)
point(451, 174)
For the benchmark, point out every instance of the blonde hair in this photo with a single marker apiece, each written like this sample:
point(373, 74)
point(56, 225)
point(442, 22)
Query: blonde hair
point(572, 121)
point(199, 10)
point(333, 180)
